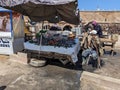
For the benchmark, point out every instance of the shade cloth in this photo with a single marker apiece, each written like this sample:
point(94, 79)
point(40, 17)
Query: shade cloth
point(45, 10)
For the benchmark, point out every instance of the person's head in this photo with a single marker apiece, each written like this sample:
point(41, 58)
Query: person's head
point(94, 23)
point(88, 27)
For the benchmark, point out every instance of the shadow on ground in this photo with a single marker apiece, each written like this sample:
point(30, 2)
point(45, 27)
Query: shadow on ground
point(77, 66)
point(2, 87)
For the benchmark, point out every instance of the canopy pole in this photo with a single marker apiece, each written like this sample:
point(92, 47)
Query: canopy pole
point(11, 30)
point(41, 39)
point(42, 24)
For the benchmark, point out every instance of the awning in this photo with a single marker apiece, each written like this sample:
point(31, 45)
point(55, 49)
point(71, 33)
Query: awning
point(45, 10)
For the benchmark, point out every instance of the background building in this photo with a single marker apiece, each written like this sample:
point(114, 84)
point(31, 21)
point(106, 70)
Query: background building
point(100, 16)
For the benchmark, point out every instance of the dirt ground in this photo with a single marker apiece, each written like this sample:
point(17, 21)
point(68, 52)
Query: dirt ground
point(16, 76)
point(112, 65)
point(111, 68)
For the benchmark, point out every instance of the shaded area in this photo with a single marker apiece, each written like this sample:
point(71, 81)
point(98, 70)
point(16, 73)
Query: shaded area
point(67, 27)
point(69, 65)
point(2, 87)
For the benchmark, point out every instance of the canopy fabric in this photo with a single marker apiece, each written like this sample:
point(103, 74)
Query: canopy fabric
point(45, 2)
point(45, 10)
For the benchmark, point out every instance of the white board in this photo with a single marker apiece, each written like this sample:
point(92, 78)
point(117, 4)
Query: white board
point(6, 46)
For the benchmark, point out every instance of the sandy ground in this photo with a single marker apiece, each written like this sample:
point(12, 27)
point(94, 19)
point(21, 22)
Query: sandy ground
point(111, 68)
point(112, 65)
point(16, 76)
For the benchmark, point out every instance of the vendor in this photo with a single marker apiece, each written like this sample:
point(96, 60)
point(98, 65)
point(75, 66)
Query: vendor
point(98, 28)
point(87, 29)
point(93, 45)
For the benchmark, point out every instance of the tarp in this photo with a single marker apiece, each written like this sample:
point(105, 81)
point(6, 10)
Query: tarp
point(46, 2)
point(42, 10)
point(18, 26)
point(4, 10)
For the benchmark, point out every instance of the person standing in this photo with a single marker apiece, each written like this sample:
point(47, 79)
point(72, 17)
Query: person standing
point(98, 28)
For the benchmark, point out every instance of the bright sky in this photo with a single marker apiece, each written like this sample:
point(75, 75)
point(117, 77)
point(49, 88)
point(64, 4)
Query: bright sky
point(99, 4)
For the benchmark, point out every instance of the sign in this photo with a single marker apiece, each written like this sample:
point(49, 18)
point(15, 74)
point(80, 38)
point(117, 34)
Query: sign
point(4, 43)
point(6, 46)
point(5, 24)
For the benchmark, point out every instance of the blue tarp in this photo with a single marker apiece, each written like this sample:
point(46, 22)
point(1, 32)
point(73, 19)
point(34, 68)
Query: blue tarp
point(4, 10)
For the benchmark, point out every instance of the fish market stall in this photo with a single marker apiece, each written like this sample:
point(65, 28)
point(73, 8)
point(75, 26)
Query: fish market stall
point(55, 45)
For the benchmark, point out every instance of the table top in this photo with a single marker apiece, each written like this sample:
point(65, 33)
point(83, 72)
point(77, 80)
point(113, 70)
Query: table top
point(72, 51)
point(107, 40)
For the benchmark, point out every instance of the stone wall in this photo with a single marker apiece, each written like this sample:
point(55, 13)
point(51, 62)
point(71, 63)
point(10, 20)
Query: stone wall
point(100, 16)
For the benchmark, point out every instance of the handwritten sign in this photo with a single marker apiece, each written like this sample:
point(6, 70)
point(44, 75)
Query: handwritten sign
point(4, 42)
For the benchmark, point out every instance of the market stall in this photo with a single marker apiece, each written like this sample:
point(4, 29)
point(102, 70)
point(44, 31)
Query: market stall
point(53, 11)
point(11, 32)
point(55, 45)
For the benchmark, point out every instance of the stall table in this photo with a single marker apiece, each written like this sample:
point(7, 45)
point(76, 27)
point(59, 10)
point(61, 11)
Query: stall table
point(61, 53)
point(108, 44)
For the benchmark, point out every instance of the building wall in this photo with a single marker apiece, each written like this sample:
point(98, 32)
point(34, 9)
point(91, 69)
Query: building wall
point(100, 16)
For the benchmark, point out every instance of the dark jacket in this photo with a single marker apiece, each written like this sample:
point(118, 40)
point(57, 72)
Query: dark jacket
point(98, 29)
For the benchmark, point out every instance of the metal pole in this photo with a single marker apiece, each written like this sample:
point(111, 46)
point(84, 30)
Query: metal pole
point(41, 39)
point(11, 21)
